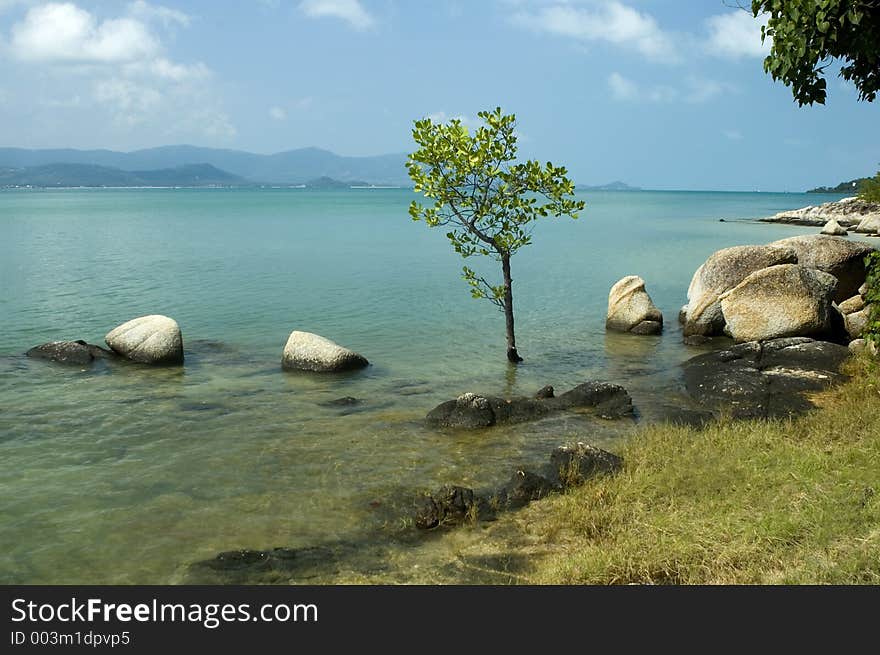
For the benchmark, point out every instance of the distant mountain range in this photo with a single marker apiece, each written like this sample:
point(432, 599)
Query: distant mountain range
point(233, 166)
point(92, 175)
point(195, 166)
point(611, 186)
point(852, 186)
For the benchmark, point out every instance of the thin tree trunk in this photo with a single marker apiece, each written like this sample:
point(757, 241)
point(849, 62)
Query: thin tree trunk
point(512, 355)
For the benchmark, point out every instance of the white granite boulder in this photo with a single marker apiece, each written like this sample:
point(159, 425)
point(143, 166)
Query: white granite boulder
point(720, 273)
point(630, 308)
point(788, 300)
point(870, 224)
point(305, 351)
point(834, 229)
point(153, 339)
point(842, 258)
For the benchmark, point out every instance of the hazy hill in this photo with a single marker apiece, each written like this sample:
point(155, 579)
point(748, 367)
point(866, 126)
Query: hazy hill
point(611, 186)
point(290, 167)
point(93, 175)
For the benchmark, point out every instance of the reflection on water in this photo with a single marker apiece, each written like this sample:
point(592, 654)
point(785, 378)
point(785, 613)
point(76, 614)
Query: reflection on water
point(121, 473)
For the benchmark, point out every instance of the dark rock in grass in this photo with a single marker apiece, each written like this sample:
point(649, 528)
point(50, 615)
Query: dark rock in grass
point(523, 488)
point(545, 392)
point(684, 416)
point(450, 505)
point(76, 353)
point(572, 465)
point(472, 411)
point(764, 379)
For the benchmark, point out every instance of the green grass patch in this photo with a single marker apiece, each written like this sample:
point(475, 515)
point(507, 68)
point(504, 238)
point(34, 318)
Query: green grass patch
point(739, 502)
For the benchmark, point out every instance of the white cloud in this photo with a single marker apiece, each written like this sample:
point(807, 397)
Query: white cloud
point(700, 90)
point(692, 90)
point(622, 88)
point(207, 121)
point(277, 113)
point(167, 16)
point(610, 21)
point(351, 11)
point(736, 35)
point(133, 82)
point(625, 90)
point(62, 32)
point(733, 135)
point(131, 103)
point(168, 70)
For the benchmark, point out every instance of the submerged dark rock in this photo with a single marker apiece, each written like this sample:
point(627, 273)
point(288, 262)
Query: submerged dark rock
point(252, 560)
point(764, 378)
point(473, 411)
point(346, 401)
point(568, 466)
point(545, 392)
point(76, 353)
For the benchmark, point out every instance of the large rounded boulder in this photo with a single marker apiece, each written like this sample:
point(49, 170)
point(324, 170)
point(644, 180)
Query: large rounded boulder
point(305, 351)
point(842, 258)
point(720, 273)
point(630, 308)
point(834, 229)
point(788, 300)
point(870, 224)
point(153, 339)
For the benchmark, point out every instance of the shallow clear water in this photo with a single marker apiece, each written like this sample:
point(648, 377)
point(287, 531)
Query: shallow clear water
point(128, 474)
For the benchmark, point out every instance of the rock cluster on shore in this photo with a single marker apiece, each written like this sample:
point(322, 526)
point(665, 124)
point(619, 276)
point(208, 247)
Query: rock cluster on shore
point(763, 379)
point(152, 339)
point(789, 288)
point(852, 213)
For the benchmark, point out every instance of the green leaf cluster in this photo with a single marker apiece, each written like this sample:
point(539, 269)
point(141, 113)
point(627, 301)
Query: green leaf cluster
point(809, 34)
point(869, 189)
point(487, 202)
point(872, 297)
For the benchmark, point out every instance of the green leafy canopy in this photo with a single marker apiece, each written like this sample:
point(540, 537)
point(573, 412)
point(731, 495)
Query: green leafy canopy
point(869, 190)
point(486, 201)
point(808, 34)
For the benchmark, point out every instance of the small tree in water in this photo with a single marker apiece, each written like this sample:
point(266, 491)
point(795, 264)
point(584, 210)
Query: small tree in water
point(488, 202)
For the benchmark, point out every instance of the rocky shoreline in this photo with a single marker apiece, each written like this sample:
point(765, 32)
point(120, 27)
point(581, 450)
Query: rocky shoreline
point(849, 214)
point(795, 310)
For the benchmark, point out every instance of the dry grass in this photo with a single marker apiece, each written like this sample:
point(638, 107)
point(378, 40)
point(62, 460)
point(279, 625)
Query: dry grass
point(751, 502)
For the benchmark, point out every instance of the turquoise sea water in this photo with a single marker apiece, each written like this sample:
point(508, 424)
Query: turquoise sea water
point(129, 474)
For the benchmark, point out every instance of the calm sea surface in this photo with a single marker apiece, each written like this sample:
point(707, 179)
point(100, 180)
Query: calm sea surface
point(129, 474)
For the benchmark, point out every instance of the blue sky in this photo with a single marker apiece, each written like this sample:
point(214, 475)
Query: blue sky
point(655, 93)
